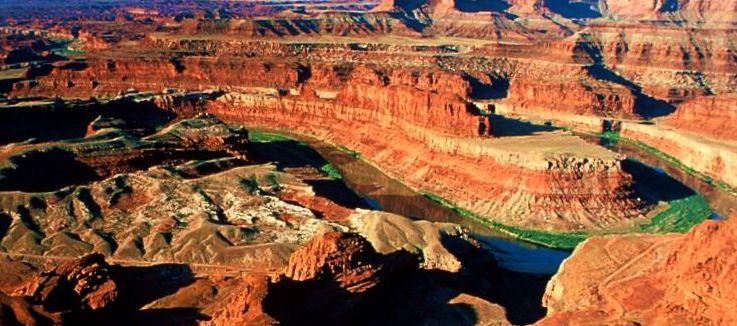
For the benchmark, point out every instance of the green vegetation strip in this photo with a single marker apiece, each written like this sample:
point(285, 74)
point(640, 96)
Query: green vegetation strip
point(326, 168)
point(267, 137)
point(615, 136)
point(556, 240)
point(680, 215)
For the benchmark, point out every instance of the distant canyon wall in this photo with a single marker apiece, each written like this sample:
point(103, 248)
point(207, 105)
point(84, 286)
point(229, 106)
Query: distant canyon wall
point(415, 123)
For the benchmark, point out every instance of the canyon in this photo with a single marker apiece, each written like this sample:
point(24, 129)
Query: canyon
point(414, 107)
point(374, 162)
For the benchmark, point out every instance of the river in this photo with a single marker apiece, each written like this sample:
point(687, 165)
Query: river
point(722, 203)
point(381, 192)
point(387, 194)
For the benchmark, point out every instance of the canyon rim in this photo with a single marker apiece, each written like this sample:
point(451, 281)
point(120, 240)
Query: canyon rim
point(378, 162)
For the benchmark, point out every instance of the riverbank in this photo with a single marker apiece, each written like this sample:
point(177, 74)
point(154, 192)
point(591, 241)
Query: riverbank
point(679, 215)
point(322, 165)
point(617, 137)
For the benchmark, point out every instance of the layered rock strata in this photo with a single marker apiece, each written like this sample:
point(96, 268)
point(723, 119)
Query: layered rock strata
point(596, 189)
point(713, 157)
point(347, 104)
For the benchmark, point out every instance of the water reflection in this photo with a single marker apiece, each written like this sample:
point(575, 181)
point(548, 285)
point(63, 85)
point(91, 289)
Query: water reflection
point(392, 196)
point(723, 203)
point(522, 257)
point(381, 192)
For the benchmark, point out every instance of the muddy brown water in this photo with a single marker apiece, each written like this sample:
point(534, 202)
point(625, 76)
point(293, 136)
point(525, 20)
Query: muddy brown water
point(382, 192)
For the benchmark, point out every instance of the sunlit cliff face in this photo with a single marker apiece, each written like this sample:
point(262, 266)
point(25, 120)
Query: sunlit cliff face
point(376, 162)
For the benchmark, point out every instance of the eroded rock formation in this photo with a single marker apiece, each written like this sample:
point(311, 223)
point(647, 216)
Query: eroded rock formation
point(648, 279)
point(85, 284)
point(346, 103)
point(338, 278)
point(186, 208)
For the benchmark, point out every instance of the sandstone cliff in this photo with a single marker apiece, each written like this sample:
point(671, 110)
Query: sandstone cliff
point(713, 157)
point(648, 279)
point(340, 278)
point(347, 104)
point(593, 179)
point(710, 116)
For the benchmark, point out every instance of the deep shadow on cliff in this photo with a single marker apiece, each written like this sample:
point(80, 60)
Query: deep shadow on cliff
point(507, 127)
point(410, 295)
point(143, 285)
point(46, 170)
point(494, 88)
point(139, 286)
point(291, 154)
point(645, 105)
point(654, 184)
point(62, 120)
point(89, 291)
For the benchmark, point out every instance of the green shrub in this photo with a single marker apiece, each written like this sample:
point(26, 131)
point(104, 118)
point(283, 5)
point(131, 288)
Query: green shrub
point(348, 151)
point(330, 171)
point(273, 180)
point(251, 184)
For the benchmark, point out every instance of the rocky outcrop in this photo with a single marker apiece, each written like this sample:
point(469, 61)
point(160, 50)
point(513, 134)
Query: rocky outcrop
point(648, 279)
point(340, 278)
point(336, 255)
point(389, 233)
point(84, 284)
point(324, 281)
point(77, 291)
point(545, 97)
point(244, 304)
